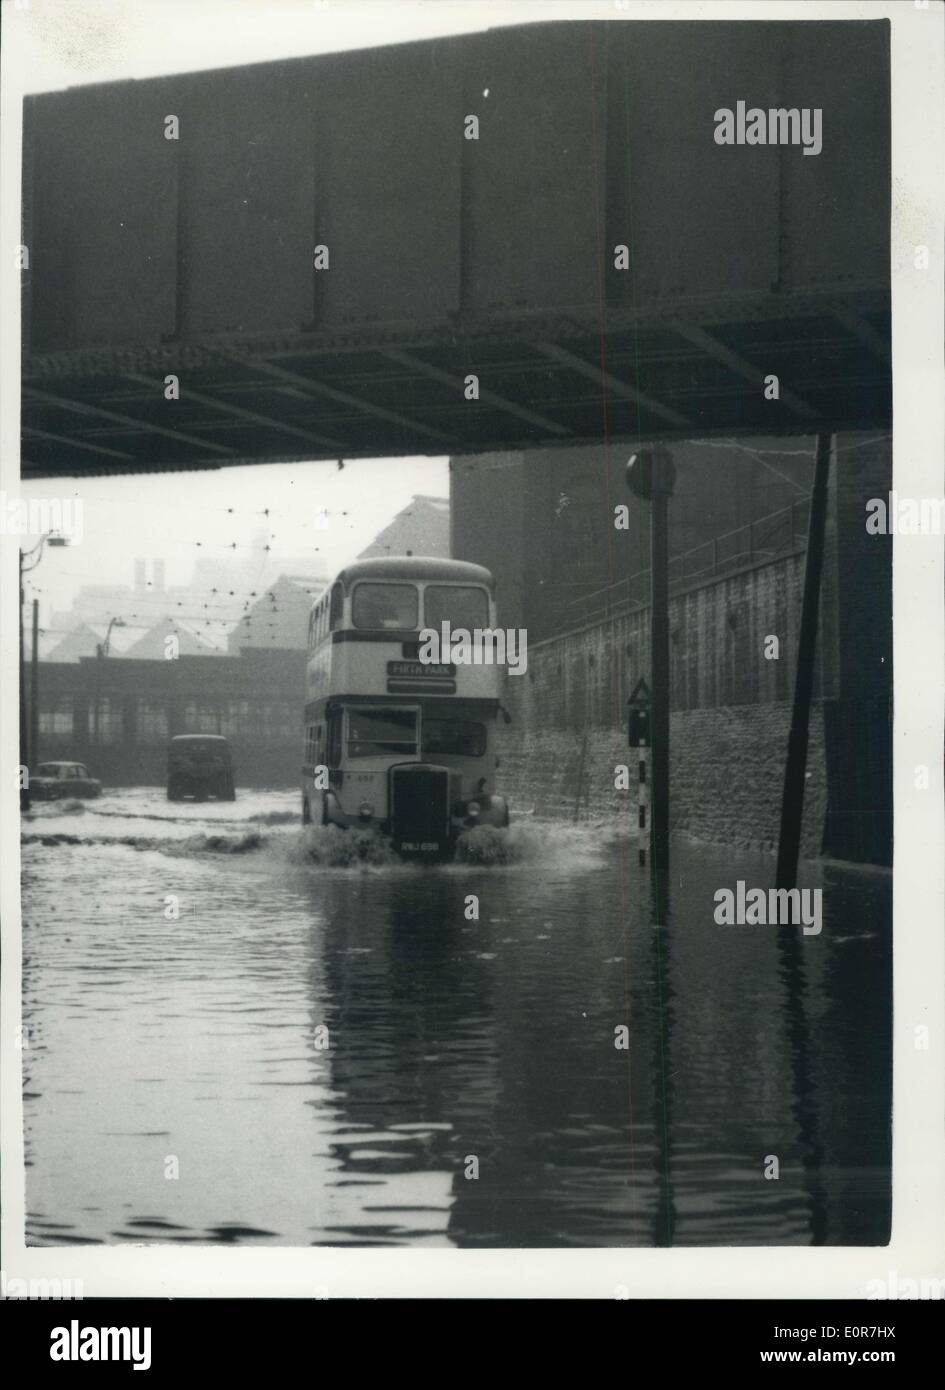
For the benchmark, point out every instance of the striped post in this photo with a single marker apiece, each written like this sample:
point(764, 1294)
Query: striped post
point(643, 799)
point(638, 736)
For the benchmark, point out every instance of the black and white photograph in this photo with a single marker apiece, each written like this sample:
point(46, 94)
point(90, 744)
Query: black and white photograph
point(448, 460)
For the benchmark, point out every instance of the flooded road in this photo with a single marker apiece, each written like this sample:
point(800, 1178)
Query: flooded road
point(234, 1035)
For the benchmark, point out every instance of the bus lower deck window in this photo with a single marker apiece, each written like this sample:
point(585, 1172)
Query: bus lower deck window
point(373, 732)
point(461, 737)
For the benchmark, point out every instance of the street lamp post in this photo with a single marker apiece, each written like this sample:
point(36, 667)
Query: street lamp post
point(101, 652)
point(102, 648)
point(29, 559)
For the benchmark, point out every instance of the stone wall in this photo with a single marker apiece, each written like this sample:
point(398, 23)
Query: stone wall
point(726, 768)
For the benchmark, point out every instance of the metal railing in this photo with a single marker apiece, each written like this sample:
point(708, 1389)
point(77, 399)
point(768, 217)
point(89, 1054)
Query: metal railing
point(755, 543)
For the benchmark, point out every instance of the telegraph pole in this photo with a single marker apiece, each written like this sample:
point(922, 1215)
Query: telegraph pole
point(792, 801)
point(29, 723)
point(34, 688)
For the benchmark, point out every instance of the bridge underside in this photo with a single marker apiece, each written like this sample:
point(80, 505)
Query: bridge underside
point(539, 384)
point(448, 257)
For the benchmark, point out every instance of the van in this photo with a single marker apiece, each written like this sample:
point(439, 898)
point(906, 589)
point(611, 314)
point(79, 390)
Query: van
point(199, 765)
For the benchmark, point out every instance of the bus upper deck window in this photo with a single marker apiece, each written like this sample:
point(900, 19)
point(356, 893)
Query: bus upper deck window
point(460, 605)
point(337, 605)
point(391, 606)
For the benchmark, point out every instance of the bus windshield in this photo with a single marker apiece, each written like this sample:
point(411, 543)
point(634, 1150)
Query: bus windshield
point(460, 737)
point(460, 605)
point(385, 606)
point(374, 731)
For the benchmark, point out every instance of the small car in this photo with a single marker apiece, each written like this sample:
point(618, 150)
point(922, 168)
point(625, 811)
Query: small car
point(54, 781)
point(200, 765)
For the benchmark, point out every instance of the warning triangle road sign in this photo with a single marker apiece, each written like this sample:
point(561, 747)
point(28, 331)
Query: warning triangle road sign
point(640, 694)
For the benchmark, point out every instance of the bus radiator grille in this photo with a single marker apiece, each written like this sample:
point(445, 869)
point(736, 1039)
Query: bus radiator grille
point(420, 808)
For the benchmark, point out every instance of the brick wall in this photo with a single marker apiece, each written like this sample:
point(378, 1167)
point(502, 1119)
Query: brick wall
point(729, 726)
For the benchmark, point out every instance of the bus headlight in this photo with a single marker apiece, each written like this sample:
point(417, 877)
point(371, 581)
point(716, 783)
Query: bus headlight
point(365, 810)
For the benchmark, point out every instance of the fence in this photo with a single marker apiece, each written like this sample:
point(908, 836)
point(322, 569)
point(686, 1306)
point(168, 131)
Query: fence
point(756, 543)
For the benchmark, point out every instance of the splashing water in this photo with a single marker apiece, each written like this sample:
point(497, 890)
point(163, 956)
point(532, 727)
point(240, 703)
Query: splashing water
point(275, 831)
point(336, 848)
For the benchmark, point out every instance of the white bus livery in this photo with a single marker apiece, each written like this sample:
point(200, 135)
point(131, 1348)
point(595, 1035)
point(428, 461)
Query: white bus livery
point(392, 742)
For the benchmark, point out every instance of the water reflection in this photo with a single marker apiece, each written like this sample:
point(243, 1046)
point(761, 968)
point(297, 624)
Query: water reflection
point(342, 1056)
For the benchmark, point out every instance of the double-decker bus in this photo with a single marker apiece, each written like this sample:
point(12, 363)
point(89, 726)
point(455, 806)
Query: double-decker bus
point(392, 742)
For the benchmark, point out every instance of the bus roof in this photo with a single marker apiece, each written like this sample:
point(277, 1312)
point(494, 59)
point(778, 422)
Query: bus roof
point(199, 738)
point(416, 567)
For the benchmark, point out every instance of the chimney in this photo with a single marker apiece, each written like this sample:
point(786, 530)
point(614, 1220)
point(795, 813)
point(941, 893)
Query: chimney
point(139, 576)
point(159, 576)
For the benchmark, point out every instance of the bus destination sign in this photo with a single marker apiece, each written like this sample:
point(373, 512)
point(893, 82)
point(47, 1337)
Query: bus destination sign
point(421, 670)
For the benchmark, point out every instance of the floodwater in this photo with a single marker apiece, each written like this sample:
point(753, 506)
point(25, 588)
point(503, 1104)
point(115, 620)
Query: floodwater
point(240, 1031)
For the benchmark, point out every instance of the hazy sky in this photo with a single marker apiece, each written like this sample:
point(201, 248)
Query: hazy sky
point(182, 516)
point(65, 42)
